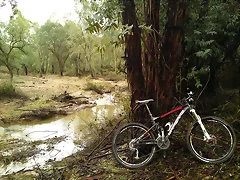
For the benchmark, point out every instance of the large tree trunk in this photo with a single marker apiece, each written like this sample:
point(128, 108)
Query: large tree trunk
point(172, 51)
point(151, 52)
point(133, 54)
point(161, 56)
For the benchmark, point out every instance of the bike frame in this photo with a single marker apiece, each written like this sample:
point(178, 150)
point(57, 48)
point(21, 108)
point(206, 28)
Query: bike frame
point(171, 126)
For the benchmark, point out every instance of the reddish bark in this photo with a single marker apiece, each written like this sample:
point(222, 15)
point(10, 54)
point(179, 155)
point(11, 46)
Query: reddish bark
point(133, 52)
point(172, 51)
point(161, 56)
point(151, 51)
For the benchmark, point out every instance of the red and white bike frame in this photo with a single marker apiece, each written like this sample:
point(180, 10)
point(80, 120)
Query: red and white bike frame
point(171, 126)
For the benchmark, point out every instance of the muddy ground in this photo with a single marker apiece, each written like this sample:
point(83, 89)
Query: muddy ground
point(51, 95)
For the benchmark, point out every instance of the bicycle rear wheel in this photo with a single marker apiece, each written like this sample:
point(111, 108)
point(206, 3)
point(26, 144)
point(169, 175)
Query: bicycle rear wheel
point(217, 150)
point(131, 153)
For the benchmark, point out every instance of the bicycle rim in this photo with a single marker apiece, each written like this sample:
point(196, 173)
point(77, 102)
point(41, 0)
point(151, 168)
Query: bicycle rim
point(141, 153)
point(219, 149)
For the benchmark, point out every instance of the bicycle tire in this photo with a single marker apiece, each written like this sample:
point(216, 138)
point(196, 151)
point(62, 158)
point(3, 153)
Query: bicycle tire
point(220, 148)
point(121, 146)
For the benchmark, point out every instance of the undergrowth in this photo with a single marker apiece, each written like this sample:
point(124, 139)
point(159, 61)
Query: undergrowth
point(112, 76)
point(7, 90)
point(98, 88)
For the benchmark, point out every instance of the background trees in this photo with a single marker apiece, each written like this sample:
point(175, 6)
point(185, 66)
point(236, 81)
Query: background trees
point(14, 38)
point(56, 48)
point(53, 35)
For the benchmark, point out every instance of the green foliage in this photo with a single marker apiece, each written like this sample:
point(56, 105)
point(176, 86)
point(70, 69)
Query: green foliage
point(212, 39)
point(196, 74)
point(14, 38)
point(204, 54)
point(58, 48)
point(7, 89)
point(52, 37)
point(100, 16)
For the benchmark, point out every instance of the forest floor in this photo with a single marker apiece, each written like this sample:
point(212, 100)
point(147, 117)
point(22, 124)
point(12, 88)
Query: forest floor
point(55, 95)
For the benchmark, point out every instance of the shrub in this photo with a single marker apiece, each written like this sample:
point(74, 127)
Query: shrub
point(112, 76)
point(94, 87)
point(8, 90)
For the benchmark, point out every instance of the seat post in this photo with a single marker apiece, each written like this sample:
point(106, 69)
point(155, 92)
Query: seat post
point(149, 112)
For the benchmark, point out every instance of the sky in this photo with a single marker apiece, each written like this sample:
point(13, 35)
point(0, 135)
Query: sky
point(41, 10)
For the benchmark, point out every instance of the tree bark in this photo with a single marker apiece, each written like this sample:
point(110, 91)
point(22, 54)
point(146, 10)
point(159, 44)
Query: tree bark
point(8, 66)
point(172, 51)
point(10, 71)
point(151, 56)
point(53, 69)
point(61, 66)
point(133, 55)
point(25, 69)
point(153, 75)
point(76, 62)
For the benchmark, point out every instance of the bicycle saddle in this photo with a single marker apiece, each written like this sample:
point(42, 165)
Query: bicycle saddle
point(144, 101)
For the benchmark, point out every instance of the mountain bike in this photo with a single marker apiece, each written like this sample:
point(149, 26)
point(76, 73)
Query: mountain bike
point(209, 139)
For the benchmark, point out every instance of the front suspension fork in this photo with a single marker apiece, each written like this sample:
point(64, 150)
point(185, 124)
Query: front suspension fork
point(207, 137)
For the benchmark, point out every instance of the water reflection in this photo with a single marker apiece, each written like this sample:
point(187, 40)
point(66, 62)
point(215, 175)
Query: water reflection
point(75, 127)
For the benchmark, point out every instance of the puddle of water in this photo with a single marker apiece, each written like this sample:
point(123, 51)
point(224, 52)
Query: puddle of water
point(106, 100)
point(74, 127)
point(59, 151)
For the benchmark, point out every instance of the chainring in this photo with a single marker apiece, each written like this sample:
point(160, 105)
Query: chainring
point(163, 144)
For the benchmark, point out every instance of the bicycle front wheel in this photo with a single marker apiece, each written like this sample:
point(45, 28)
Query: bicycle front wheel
point(221, 146)
point(131, 152)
